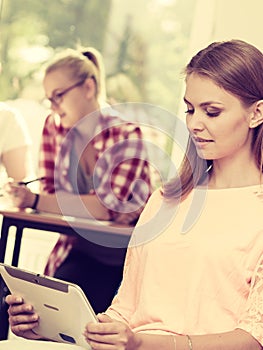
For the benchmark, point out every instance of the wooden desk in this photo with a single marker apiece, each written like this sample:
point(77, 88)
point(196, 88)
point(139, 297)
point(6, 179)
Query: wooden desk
point(100, 232)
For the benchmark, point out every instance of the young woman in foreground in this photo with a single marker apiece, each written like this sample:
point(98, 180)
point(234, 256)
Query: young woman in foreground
point(193, 277)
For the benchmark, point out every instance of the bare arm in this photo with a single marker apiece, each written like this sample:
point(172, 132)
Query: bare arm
point(235, 340)
point(87, 206)
point(111, 334)
point(119, 336)
point(18, 163)
point(62, 202)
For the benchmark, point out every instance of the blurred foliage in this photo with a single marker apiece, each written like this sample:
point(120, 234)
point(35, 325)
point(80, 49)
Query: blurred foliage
point(144, 43)
point(31, 30)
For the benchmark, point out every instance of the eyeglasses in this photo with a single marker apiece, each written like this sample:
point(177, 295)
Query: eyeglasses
point(57, 98)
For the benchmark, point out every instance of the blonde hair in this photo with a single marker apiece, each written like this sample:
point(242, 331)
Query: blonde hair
point(81, 64)
point(237, 67)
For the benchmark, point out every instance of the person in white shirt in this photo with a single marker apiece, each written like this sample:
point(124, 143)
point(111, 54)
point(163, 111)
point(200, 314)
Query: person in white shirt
point(15, 144)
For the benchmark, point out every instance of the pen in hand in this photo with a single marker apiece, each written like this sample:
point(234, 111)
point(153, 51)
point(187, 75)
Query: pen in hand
point(24, 183)
point(30, 181)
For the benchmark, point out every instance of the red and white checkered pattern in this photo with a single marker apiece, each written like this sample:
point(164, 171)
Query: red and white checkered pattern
point(121, 160)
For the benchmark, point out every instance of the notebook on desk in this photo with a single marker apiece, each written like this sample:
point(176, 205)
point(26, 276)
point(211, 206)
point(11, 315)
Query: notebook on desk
point(63, 307)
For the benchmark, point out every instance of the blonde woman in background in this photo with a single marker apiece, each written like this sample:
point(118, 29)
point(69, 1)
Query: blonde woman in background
point(95, 166)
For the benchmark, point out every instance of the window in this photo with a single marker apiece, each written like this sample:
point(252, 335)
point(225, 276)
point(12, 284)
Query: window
point(143, 42)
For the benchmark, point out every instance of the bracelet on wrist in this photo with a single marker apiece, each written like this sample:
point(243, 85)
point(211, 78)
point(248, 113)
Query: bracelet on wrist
point(34, 205)
point(174, 342)
point(189, 340)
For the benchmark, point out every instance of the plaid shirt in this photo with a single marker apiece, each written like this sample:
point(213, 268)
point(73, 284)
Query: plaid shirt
point(52, 136)
point(121, 160)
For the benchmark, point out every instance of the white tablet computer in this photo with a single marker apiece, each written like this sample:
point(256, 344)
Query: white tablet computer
point(62, 306)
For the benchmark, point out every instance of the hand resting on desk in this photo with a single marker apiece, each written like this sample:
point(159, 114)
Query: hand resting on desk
point(84, 206)
point(20, 195)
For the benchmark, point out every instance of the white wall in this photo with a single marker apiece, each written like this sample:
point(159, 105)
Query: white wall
point(239, 19)
point(217, 20)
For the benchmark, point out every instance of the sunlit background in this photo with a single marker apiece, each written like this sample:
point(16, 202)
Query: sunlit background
point(145, 45)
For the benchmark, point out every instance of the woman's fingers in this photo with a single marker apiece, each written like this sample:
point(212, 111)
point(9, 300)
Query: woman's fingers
point(20, 195)
point(14, 309)
point(13, 299)
point(23, 322)
point(20, 312)
point(22, 317)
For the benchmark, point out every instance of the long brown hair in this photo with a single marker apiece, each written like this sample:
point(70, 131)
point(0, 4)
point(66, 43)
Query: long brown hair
point(237, 67)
